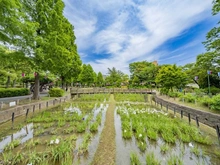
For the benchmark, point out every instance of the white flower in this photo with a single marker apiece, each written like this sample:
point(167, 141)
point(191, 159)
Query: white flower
point(57, 141)
point(142, 143)
point(125, 131)
point(52, 141)
point(29, 164)
point(140, 135)
point(191, 145)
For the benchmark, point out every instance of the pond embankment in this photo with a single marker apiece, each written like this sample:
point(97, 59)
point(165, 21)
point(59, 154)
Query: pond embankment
point(6, 115)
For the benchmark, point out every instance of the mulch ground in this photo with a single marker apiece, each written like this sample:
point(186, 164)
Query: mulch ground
point(106, 152)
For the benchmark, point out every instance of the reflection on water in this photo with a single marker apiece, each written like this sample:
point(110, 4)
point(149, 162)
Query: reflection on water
point(24, 134)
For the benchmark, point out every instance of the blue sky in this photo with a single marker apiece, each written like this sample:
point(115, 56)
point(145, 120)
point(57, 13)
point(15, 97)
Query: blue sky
point(114, 33)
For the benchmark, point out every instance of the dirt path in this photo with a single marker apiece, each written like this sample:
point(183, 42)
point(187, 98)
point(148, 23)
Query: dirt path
point(105, 154)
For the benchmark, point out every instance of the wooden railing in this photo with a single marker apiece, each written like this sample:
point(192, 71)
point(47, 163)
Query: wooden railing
point(74, 91)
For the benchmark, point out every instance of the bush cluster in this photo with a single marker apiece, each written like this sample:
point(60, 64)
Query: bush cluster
point(56, 92)
point(11, 92)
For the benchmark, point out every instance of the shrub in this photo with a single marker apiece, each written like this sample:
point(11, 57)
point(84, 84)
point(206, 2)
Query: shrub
point(56, 92)
point(173, 94)
point(11, 92)
point(213, 90)
point(164, 91)
point(215, 102)
point(206, 100)
point(188, 98)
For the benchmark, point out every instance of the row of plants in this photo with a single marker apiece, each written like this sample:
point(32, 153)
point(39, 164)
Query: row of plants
point(93, 97)
point(147, 125)
point(130, 97)
point(55, 133)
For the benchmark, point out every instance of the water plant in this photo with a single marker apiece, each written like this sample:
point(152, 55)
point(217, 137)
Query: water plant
point(195, 150)
point(175, 160)
point(134, 159)
point(94, 127)
point(81, 127)
point(151, 159)
point(12, 145)
point(142, 145)
point(164, 148)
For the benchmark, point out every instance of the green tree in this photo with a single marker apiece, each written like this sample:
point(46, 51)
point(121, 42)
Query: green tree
point(171, 76)
point(145, 71)
point(100, 80)
point(212, 42)
point(86, 76)
point(53, 48)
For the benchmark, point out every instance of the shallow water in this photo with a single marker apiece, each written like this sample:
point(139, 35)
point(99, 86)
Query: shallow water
point(125, 147)
point(27, 132)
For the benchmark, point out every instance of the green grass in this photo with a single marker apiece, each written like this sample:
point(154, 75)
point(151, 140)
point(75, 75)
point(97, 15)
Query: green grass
point(151, 159)
point(134, 159)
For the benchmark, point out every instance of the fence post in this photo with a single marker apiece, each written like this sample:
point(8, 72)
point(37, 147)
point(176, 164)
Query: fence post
point(181, 114)
point(189, 118)
point(218, 132)
point(197, 121)
point(1, 105)
point(17, 102)
point(47, 104)
point(12, 119)
point(39, 106)
point(27, 114)
point(167, 107)
point(174, 110)
point(33, 109)
point(161, 105)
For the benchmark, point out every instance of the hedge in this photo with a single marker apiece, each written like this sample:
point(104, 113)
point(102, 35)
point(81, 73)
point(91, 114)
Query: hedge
point(11, 92)
point(56, 92)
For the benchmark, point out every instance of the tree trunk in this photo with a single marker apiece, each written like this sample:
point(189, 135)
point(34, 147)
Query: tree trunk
point(36, 87)
point(66, 86)
point(14, 83)
point(8, 81)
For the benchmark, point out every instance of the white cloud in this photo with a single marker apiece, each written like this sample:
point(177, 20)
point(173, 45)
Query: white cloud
point(122, 38)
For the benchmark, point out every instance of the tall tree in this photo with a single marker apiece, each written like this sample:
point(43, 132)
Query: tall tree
point(171, 76)
point(212, 42)
point(86, 76)
point(53, 46)
point(145, 71)
point(100, 79)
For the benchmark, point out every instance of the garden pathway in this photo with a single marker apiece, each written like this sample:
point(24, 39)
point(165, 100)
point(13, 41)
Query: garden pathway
point(106, 152)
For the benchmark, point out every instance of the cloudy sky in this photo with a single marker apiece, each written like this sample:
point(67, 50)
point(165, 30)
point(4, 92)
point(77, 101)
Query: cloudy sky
point(114, 33)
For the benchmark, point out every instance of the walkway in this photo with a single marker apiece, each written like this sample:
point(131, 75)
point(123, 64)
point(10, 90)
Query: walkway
point(106, 152)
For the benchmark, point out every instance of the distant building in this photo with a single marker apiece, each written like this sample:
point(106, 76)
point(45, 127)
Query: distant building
point(155, 63)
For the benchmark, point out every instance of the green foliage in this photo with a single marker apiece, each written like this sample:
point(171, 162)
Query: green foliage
point(134, 159)
point(171, 76)
point(214, 90)
point(215, 102)
point(86, 76)
point(150, 159)
point(11, 92)
point(143, 72)
point(56, 92)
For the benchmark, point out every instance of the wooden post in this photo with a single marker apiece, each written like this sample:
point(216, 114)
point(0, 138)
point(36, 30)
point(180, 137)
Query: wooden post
point(218, 132)
point(161, 105)
point(27, 114)
point(189, 118)
point(39, 106)
point(181, 114)
point(174, 110)
point(53, 102)
point(17, 102)
point(1, 105)
point(33, 109)
point(197, 121)
point(167, 107)
point(12, 119)
point(47, 104)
